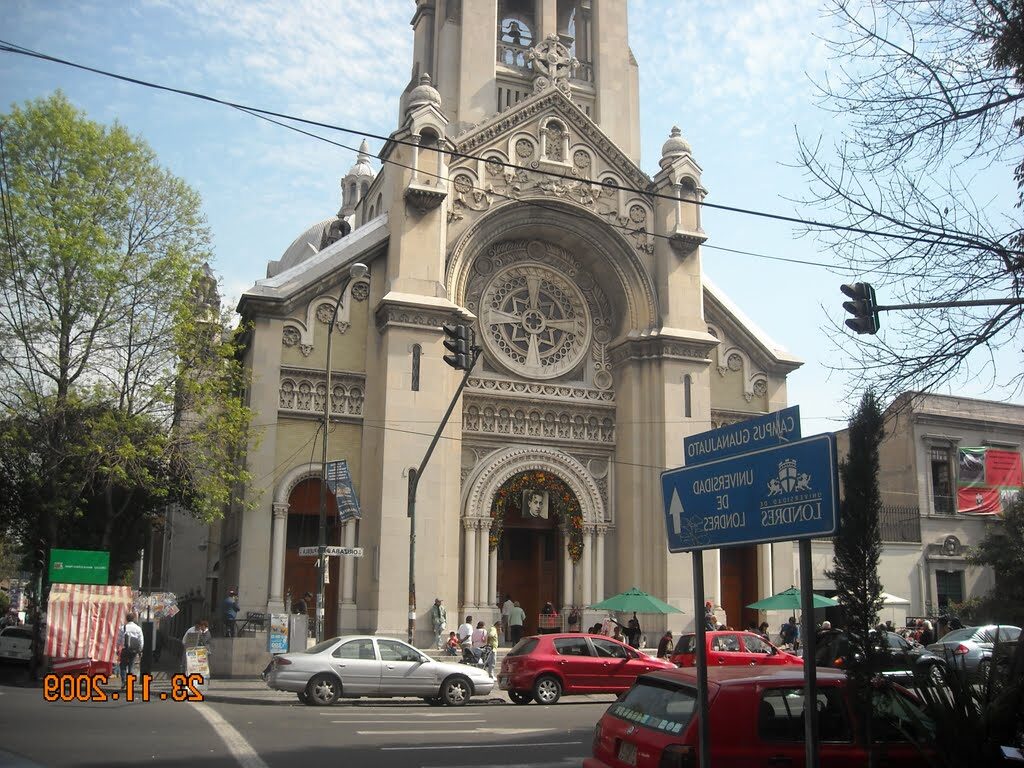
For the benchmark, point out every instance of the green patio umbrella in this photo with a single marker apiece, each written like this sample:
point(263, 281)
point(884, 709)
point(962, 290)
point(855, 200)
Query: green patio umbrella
point(634, 600)
point(789, 600)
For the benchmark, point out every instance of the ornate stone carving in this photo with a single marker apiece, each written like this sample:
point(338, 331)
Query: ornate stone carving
point(302, 391)
point(290, 336)
point(423, 198)
point(360, 290)
point(551, 422)
point(760, 388)
point(535, 390)
point(280, 509)
point(684, 242)
point(553, 65)
point(524, 149)
point(411, 317)
point(581, 162)
point(660, 348)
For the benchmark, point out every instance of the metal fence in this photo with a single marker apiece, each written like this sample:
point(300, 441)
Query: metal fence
point(900, 524)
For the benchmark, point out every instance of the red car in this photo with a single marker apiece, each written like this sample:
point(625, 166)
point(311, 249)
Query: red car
point(543, 668)
point(732, 649)
point(756, 719)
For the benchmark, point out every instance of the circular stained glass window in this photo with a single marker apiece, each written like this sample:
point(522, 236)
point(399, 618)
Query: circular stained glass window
point(534, 321)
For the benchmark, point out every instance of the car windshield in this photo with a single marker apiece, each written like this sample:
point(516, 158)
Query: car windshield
point(687, 644)
point(959, 635)
point(321, 647)
point(524, 647)
point(657, 705)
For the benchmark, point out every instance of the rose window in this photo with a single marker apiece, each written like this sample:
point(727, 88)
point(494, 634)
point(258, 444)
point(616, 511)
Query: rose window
point(535, 321)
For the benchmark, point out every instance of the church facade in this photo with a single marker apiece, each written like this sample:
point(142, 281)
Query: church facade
point(509, 198)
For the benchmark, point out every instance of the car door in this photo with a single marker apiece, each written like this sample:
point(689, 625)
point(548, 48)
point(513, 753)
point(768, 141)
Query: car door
point(404, 671)
point(580, 670)
point(725, 650)
point(756, 651)
point(780, 729)
point(356, 663)
point(619, 667)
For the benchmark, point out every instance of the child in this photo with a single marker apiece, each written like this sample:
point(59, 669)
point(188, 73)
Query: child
point(451, 648)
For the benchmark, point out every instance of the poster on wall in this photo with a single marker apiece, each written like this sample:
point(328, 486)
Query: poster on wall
point(339, 480)
point(989, 480)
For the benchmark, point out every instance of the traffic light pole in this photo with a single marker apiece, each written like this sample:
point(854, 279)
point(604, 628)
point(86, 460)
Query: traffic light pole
point(944, 304)
point(414, 480)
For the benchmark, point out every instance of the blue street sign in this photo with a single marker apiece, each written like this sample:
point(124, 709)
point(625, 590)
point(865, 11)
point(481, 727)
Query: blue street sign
point(774, 494)
point(760, 432)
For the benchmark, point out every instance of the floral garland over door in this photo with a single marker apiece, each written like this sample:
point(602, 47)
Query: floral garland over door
point(562, 502)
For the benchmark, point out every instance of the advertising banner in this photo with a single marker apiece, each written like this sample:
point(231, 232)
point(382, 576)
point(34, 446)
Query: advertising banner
point(197, 661)
point(79, 566)
point(339, 480)
point(989, 480)
point(277, 638)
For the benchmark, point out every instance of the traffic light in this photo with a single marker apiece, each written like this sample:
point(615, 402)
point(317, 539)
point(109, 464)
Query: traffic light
point(458, 341)
point(862, 307)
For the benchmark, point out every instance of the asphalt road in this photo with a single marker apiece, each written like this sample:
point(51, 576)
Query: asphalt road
point(277, 732)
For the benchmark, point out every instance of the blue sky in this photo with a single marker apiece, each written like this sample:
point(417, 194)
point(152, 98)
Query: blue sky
point(734, 76)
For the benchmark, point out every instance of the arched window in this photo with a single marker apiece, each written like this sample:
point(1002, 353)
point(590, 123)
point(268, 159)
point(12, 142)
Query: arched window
point(364, 189)
point(517, 25)
point(352, 193)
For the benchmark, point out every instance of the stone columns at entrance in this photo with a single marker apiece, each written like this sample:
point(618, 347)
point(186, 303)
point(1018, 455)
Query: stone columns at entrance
point(492, 579)
point(568, 598)
point(348, 565)
point(278, 542)
point(483, 539)
point(469, 559)
point(600, 530)
point(587, 566)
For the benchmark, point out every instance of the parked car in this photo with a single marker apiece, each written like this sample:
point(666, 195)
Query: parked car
point(755, 718)
point(897, 657)
point(16, 643)
point(544, 668)
point(731, 649)
point(969, 650)
point(355, 666)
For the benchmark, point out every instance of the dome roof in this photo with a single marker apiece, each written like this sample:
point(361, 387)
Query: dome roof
point(424, 93)
point(676, 146)
point(305, 245)
point(362, 167)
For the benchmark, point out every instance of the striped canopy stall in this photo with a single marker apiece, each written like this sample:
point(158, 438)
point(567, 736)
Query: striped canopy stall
point(82, 620)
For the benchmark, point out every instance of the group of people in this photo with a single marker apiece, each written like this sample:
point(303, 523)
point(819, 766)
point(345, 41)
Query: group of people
point(477, 644)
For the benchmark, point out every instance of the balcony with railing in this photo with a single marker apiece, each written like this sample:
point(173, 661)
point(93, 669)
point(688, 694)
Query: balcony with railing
point(900, 524)
point(517, 57)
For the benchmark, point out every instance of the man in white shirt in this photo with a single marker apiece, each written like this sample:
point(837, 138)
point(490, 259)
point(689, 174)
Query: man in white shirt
point(465, 632)
point(506, 609)
point(130, 642)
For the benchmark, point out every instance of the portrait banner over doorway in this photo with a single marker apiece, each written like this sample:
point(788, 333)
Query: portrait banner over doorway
point(535, 504)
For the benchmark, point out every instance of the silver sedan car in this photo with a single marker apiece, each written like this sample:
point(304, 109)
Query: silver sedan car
point(970, 649)
point(364, 665)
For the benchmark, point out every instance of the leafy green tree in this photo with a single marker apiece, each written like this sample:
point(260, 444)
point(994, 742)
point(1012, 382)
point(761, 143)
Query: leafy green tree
point(119, 388)
point(858, 547)
point(1002, 550)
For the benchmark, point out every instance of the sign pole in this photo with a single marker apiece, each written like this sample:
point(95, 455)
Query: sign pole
point(810, 674)
point(703, 722)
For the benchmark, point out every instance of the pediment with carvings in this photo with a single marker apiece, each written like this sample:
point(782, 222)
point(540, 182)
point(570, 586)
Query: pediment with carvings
point(547, 148)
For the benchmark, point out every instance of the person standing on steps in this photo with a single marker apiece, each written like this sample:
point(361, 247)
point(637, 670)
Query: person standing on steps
point(516, 620)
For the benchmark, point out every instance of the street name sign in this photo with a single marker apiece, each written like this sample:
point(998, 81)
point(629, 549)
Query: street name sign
point(774, 494)
point(331, 551)
point(760, 432)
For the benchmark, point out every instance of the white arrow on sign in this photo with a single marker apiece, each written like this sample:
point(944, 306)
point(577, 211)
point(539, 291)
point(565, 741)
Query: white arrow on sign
point(675, 509)
point(331, 551)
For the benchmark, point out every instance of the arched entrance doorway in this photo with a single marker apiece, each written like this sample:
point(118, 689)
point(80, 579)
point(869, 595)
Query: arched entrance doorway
point(535, 516)
point(739, 578)
point(300, 573)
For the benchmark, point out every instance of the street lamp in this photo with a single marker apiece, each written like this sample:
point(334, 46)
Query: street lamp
point(355, 272)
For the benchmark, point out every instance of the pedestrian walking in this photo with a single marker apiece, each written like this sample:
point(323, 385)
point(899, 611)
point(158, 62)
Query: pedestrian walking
point(665, 645)
point(633, 631)
point(506, 608)
point(438, 620)
point(492, 647)
point(130, 642)
point(516, 619)
point(230, 612)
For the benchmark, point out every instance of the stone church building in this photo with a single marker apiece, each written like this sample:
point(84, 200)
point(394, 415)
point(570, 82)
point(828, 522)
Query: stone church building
point(508, 197)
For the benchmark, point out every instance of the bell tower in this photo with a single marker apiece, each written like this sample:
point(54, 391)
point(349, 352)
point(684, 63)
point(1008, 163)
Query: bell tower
point(478, 54)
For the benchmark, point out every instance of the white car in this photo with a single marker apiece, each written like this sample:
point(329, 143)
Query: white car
point(364, 665)
point(16, 643)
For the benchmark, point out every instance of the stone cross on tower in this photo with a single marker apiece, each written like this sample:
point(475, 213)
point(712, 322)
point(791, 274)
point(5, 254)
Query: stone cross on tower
point(552, 65)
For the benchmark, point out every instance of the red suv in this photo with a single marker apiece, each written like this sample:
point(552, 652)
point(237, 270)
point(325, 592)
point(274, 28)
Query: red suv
point(545, 667)
point(756, 718)
point(732, 649)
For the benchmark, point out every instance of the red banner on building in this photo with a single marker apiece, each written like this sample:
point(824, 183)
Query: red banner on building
point(989, 480)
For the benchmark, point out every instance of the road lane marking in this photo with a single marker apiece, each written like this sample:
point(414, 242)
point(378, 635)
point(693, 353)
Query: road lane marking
point(565, 761)
point(463, 731)
point(480, 746)
point(410, 722)
point(393, 714)
point(239, 748)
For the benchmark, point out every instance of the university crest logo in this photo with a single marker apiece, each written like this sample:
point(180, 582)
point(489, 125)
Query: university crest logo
point(789, 480)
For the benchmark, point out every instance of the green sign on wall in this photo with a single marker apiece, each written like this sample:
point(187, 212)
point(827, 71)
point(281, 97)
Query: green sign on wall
point(79, 566)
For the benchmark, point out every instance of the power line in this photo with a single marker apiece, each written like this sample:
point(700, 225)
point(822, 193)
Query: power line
point(933, 238)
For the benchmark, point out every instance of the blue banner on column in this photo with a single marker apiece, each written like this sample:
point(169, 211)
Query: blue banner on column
point(339, 480)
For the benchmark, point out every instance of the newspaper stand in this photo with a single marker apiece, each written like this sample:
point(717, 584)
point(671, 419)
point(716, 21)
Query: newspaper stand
point(197, 659)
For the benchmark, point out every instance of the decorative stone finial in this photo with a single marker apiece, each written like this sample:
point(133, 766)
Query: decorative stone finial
point(553, 65)
point(424, 93)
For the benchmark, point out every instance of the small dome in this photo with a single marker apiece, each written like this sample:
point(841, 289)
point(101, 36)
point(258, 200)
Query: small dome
point(424, 93)
point(676, 146)
point(362, 167)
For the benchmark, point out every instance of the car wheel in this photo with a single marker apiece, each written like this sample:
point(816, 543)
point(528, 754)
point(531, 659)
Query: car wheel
point(304, 698)
point(455, 691)
point(547, 690)
point(936, 675)
point(323, 690)
point(520, 697)
point(434, 701)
